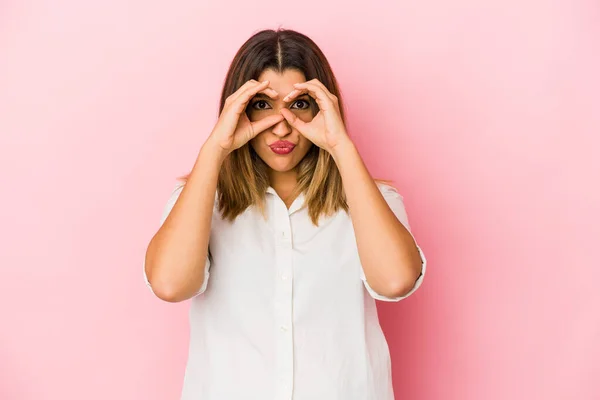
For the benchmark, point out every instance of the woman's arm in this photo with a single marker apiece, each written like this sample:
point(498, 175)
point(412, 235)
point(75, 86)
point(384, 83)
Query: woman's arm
point(388, 253)
point(389, 256)
point(176, 255)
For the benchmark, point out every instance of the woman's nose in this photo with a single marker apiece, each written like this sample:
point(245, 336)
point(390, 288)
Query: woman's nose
point(282, 128)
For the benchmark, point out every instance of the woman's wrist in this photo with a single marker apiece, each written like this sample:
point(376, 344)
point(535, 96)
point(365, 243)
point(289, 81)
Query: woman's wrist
point(342, 149)
point(214, 148)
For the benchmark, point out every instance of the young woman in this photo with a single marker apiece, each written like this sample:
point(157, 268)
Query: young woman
point(283, 241)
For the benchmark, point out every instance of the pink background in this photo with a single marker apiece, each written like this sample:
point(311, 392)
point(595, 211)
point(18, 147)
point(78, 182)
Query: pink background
point(486, 114)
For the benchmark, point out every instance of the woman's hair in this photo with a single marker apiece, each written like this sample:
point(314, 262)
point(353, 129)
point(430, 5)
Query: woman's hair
point(243, 179)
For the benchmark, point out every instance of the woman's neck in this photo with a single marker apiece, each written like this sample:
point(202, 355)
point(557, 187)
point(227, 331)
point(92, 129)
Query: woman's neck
point(283, 183)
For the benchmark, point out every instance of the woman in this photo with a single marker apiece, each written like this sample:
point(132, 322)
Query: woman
point(283, 241)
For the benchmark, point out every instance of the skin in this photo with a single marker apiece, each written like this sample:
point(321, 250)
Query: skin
point(388, 252)
point(176, 255)
point(283, 172)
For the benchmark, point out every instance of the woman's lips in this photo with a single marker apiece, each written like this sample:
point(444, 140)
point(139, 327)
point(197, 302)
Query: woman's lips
point(282, 150)
point(282, 147)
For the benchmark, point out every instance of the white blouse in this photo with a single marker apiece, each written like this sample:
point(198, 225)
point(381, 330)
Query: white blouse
point(285, 311)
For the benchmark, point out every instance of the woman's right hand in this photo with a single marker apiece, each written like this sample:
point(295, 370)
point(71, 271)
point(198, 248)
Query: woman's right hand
point(233, 128)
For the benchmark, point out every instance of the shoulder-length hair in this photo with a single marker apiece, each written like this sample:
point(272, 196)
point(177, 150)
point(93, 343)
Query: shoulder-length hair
point(243, 179)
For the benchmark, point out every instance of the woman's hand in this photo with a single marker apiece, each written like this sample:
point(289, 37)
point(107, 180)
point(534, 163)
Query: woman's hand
point(326, 129)
point(234, 128)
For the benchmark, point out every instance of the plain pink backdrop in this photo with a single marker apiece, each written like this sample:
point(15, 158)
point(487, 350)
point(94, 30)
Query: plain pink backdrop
point(486, 115)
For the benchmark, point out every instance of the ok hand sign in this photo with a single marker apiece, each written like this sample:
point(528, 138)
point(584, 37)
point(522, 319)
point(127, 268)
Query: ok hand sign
point(326, 129)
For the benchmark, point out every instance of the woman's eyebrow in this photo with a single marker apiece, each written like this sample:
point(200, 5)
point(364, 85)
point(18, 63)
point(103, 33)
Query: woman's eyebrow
point(264, 96)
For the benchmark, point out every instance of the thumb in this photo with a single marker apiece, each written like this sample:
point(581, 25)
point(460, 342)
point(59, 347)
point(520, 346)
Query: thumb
point(293, 120)
point(267, 122)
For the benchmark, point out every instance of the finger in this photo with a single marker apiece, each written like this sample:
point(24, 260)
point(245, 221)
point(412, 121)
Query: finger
point(250, 84)
point(292, 95)
point(317, 82)
point(296, 93)
point(320, 84)
point(264, 123)
point(293, 120)
point(268, 91)
point(245, 87)
point(323, 100)
point(241, 89)
point(241, 101)
point(333, 97)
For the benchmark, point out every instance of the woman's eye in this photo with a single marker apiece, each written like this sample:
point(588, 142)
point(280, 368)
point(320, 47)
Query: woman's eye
point(260, 105)
point(306, 104)
point(263, 105)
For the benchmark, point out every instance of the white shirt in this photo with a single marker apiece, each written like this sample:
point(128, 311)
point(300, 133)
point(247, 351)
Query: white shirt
point(285, 312)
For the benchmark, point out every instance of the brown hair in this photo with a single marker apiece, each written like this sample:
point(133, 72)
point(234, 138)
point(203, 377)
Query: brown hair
point(243, 178)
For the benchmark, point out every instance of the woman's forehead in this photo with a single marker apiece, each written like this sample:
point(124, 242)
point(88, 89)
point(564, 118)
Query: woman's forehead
point(283, 82)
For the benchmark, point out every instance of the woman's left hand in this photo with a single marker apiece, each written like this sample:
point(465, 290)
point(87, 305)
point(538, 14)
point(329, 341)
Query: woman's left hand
point(326, 129)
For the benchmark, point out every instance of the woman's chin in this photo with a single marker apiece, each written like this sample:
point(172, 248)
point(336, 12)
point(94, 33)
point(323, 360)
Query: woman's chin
point(281, 166)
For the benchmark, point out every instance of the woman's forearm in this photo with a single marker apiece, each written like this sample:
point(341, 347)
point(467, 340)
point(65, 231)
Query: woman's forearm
point(176, 255)
point(387, 251)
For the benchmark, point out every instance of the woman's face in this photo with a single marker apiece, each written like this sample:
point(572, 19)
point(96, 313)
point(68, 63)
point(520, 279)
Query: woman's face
point(261, 106)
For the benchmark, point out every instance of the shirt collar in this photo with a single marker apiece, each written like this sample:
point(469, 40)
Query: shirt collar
point(297, 204)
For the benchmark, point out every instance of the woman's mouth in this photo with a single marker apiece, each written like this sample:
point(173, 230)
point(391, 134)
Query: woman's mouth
point(282, 150)
point(282, 147)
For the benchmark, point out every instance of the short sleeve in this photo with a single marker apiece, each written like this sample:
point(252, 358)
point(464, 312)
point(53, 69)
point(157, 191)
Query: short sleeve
point(166, 210)
point(396, 204)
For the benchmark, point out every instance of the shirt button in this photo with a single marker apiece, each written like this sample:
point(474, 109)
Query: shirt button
point(283, 328)
point(283, 277)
